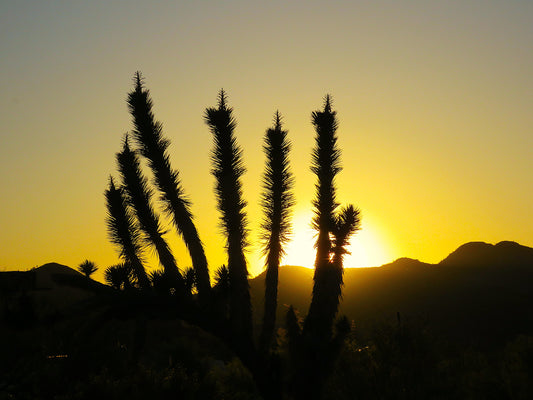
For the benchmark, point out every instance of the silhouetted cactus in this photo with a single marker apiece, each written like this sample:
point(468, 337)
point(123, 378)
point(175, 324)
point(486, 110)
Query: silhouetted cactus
point(317, 344)
point(346, 223)
point(148, 134)
point(124, 232)
point(228, 169)
point(277, 200)
point(120, 276)
point(190, 280)
point(313, 348)
point(87, 268)
point(139, 197)
point(222, 279)
point(294, 330)
point(326, 165)
point(220, 310)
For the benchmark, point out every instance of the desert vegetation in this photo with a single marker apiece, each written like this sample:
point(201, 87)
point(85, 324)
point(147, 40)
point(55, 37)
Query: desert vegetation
point(134, 225)
point(193, 333)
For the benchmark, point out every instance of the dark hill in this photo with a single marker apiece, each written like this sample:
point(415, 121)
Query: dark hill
point(45, 291)
point(406, 264)
point(480, 292)
point(484, 254)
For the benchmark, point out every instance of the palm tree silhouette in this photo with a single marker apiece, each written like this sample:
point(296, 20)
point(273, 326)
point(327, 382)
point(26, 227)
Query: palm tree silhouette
point(139, 197)
point(120, 276)
point(222, 280)
point(124, 232)
point(228, 169)
point(189, 280)
point(277, 200)
point(148, 134)
point(87, 268)
point(160, 282)
point(220, 312)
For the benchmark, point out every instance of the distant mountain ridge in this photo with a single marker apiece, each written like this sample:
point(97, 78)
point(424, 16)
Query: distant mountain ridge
point(406, 263)
point(481, 253)
point(480, 290)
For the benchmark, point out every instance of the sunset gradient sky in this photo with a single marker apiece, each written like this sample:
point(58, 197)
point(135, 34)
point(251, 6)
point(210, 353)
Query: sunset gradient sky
point(434, 100)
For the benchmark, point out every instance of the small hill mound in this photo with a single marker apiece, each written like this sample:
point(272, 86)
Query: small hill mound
point(55, 268)
point(44, 291)
point(52, 275)
point(405, 263)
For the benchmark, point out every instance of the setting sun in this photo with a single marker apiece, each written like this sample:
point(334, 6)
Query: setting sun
point(367, 248)
point(162, 163)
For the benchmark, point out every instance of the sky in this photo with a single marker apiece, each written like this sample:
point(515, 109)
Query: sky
point(434, 101)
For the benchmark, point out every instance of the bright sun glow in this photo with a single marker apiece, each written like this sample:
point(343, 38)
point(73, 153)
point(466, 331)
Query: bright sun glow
point(367, 247)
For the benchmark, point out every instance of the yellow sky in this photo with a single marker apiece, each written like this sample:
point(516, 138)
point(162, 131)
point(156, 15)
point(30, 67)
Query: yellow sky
point(434, 101)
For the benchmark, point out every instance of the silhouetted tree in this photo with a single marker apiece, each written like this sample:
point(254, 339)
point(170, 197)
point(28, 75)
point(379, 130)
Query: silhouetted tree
point(221, 286)
point(124, 232)
point(160, 281)
point(139, 197)
point(220, 305)
point(120, 276)
point(325, 165)
point(228, 169)
point(87, 268)
point(347, 222)
point(318, 347)
point(148, 133)
point(313, 347)
point(190, 280)
point(277, 200)
point(294, 331)
point(342, 329)
point(222, 278)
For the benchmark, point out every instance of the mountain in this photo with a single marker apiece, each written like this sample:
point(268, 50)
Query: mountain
point(483, 254)
point(85, 343)
point(50, 289)
point(480, 292)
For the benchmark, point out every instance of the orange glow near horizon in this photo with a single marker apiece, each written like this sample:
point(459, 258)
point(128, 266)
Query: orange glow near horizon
point(367, 247)
point(300, 250)
point(433, 101)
